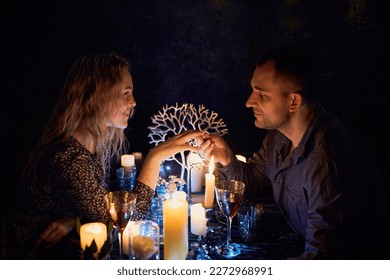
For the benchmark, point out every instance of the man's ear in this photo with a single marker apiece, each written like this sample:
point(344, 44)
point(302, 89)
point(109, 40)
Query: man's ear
point(295, 101)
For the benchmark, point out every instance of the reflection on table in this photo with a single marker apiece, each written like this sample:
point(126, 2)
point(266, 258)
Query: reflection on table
point(275, 239)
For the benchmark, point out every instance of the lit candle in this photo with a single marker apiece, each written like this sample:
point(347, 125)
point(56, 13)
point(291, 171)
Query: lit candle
point(91, 231)
point(241, 158)
point(210, 184)
point(175, 215)
point(198, 219)
point(179, 195)
point(196, 172)
point(137, 155)
point(127, 161)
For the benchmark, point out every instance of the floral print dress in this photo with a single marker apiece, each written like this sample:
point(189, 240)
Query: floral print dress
point(75, 184)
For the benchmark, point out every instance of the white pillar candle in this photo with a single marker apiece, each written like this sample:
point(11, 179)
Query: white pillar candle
point(127, 160)
point(179, 195)
point(196, 173)
point(210, 184)
point(91, 231)
point(198, 219)
point(175, 215)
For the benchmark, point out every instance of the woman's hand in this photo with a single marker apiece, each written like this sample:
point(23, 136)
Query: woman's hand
point(179, 143)
point(56, 231)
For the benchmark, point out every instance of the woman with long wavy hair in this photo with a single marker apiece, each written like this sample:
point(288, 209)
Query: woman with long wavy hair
point(67, 174)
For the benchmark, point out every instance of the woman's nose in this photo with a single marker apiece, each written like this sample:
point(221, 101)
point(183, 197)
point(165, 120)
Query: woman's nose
point(132, 101)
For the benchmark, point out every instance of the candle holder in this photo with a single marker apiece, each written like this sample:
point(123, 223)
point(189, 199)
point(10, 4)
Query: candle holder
point(142, 240)
point(126, 177)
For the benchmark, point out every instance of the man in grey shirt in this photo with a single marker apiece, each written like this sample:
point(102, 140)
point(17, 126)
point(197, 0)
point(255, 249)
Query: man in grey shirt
point(323, 179)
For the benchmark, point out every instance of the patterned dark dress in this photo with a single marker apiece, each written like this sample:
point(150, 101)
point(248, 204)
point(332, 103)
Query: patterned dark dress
point(75, 184)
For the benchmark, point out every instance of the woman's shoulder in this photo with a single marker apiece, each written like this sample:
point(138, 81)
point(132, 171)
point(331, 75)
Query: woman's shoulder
point(67, 151)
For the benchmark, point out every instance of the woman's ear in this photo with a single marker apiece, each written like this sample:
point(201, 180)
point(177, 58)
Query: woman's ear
point(295, 101)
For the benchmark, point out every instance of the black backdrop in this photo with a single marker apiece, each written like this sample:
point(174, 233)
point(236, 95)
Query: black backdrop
point(200, 52)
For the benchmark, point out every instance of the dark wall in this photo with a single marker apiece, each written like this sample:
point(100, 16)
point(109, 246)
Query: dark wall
point(200, 52)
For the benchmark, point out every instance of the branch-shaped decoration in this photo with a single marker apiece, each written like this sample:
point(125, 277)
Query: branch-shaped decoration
point(175, 119)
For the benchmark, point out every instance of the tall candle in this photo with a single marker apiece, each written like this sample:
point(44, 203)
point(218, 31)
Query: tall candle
point(175, 215)
point(210, 184)
point(127, 160)
point(196, 173)
point(91, 231)
point(198, 219)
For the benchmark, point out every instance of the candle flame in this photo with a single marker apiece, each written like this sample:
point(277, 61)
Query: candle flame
point(211, 165)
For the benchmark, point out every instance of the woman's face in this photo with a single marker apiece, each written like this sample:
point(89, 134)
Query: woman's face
point(123, 108)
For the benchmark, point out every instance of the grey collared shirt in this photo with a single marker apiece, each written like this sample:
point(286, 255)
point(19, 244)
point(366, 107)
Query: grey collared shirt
point(328, 189)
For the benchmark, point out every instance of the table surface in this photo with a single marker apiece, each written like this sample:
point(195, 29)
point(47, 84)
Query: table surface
point(274, 241)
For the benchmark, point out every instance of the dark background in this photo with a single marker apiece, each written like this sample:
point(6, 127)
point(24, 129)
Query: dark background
point(200, 52)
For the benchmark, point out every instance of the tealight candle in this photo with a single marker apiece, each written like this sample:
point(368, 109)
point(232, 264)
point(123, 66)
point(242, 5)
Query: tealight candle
point(175, 215)
point(91, 231)
point(127, 160)
point(198, 219)
point(210, 184)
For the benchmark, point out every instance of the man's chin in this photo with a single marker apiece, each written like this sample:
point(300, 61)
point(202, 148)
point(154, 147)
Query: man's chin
point(260, 125)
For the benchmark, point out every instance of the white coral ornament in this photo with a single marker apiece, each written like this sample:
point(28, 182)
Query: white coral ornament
point(175, 119)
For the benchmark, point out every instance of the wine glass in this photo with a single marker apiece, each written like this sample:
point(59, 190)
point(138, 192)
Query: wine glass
point(120, 205)
point(229, 195)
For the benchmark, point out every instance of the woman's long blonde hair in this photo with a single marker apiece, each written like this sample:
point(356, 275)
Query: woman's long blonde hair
point(89, 93)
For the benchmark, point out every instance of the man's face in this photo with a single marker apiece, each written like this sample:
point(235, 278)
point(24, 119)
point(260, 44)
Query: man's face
point(270, 105)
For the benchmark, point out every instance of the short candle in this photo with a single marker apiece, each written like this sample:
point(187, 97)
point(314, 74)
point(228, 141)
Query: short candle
point(91, 231)
point(127, 160)
point(198, 219)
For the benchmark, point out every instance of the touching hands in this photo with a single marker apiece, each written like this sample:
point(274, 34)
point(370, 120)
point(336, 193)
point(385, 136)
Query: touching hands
point(179, 143)
point(213, 145)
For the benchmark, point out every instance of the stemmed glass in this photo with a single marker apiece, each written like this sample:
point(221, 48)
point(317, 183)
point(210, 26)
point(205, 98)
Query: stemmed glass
point(229, 195)
point(120, 205)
